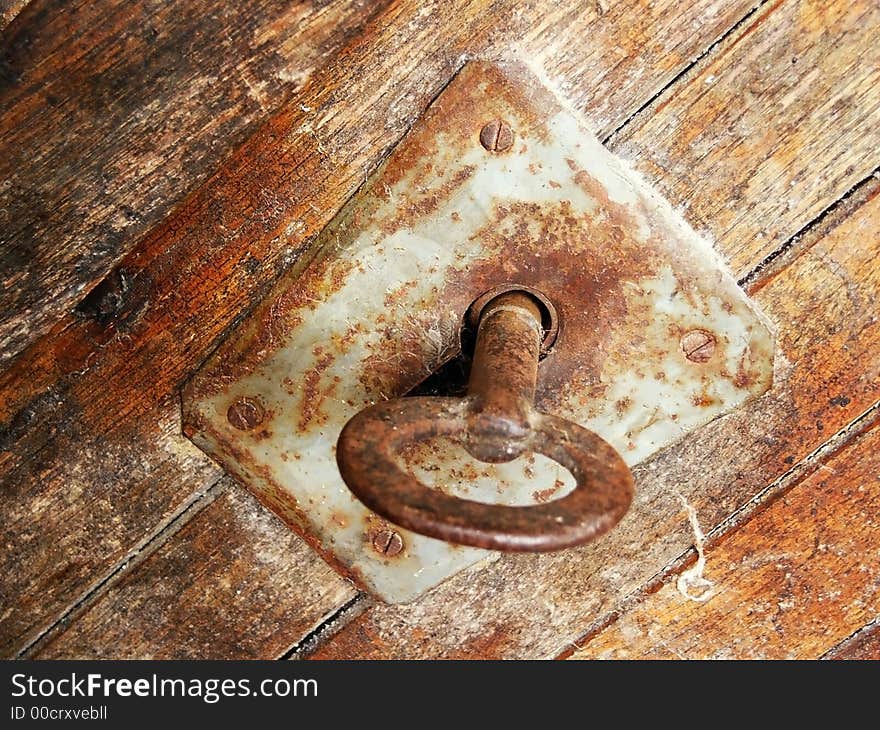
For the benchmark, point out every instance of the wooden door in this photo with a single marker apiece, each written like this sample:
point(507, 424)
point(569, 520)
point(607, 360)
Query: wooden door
point(163, 163)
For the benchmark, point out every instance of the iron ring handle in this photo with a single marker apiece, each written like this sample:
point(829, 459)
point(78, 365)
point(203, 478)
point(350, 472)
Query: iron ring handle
point(496, 422)
point(365, 455)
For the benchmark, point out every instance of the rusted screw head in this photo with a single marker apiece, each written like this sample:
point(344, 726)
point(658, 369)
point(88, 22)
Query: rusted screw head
point(245, 414)
point(387, 542)
point(496, 136)
point(698, 345)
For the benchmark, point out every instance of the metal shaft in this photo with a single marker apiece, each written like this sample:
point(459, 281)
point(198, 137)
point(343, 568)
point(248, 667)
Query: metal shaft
point(503, 376)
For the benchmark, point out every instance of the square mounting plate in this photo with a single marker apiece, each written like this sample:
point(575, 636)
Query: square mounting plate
point(655, 338)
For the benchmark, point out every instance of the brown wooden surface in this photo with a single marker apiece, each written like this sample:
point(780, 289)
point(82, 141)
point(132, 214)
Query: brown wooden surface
point(9, 9)
point(104, 498)
point(791, 583)
point(864, 644)
point(233, 558)
point(110, 112)
point(776, 128)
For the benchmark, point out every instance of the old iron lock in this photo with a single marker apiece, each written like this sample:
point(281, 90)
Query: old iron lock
point(496, 422)
point(497, 187)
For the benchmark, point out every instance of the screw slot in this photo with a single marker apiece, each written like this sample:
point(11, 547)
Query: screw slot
point(496, 136)
point(245, 414)
point(698, 345)
point(387, 542)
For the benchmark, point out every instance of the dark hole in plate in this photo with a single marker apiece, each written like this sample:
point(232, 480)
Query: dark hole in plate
point(451, 378)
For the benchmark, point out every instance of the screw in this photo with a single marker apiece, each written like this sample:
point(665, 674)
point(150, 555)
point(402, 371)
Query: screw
point(387, 542)
point(698, 345)
point(245, 414)
point(496, 136)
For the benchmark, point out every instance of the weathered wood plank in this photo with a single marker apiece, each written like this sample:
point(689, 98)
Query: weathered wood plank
point(791, 583)
point(609, 58)
point(100, 383)
point(111, 111)
point(865, 644)
point(9, 9)
point(97, 398)
point(235, 558)
point(825, 306)
point(773, 130)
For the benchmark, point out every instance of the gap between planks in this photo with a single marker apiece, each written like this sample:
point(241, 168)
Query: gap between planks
point(775, 262)
point(174, 524)
point(329, 626)
point(9, 11)
point(778, 488)
point(684, 75)
point(863, 643)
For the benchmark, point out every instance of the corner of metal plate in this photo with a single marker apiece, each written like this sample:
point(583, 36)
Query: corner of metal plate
point(655, 337)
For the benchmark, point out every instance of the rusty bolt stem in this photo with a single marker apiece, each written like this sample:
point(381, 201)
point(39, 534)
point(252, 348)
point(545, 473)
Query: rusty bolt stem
point(387, 542)
point(503, 378)
point(496, 136)
point(698, 345)
point(245, 414)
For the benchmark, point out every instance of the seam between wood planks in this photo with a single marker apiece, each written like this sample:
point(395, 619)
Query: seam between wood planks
point(685, 72)
point(137, 555)
point(11, 13)
point(725, 42)
point(853, 637)
point(778, 488)
point(329, 626)
point(826, 221)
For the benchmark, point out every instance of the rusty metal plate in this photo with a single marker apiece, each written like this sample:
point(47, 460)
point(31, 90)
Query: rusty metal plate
point(655, 338)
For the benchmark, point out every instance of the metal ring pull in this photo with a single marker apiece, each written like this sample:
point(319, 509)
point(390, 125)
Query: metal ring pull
point(496, 422)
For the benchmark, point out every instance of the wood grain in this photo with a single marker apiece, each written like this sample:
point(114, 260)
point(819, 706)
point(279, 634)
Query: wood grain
point(824, 305)
point(235, 558)
point(9, 9)
point(92, 405)
point(865, 644)
point(111, 111)
point(791, 583)
point(745, 147)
